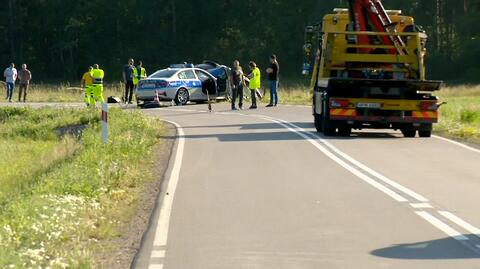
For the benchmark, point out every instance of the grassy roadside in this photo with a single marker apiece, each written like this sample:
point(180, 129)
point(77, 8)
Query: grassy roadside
point(65, 93)
point(63, 200)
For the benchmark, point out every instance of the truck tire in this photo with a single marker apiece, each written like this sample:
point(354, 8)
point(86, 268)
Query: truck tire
point(329, 128)
point(409, 132)
point(318, 121)
point(344, 131)
point(427, 133)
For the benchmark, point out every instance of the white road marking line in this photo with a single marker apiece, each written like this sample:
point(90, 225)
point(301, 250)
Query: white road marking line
point(442, 226)
point(342, 163)
point(460, 222)
point(179, 109)
point(158, 254)
point(367, 169)
point(161, 232)
point(421, 205)
point(155, 266)
point(457, 143)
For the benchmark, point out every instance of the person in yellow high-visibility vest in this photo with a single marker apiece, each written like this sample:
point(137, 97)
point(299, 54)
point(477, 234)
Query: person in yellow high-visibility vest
point(87, 82)
point(139, 73)
point(97, 75)
point(255, 83)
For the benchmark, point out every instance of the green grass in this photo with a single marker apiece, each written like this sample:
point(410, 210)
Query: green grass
point(66, 93)
point(63, 200)
point(460, 118)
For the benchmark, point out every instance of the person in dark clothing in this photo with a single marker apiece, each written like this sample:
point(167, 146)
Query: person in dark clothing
point(127, 75)
point(237, 81)
point(273, 75)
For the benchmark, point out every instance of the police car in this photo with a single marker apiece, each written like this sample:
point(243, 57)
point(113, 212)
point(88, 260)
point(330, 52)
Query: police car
point(182, 84)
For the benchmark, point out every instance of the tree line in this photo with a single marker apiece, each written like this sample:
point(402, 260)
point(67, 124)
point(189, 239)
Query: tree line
point(58, 39)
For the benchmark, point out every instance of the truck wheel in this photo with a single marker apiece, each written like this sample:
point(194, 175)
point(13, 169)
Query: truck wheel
point(318, 122)
point(409, 132)
point(182, 97)
point(329, 131)
point(427, 133)
point(344, 131)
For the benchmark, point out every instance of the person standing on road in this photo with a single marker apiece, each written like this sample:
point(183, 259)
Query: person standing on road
point(255, 83)
point(87, 85)
point(10, 75)
point(273, 72)
point(127, 75)
point(237, 82)
point(97, 75)
point(24, 76)
point(139, 73)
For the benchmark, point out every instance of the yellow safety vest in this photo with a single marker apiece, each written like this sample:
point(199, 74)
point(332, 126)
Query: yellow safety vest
point(97, 75)
point(255, 80)
point(137, 77)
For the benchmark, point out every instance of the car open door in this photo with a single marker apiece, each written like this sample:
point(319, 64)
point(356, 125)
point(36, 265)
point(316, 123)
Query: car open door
point(209, 83)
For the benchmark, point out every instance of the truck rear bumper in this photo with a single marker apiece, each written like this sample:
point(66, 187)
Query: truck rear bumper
point(379, 119)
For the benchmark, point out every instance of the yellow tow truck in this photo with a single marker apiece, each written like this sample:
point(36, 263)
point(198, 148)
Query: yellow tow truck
point(368, 71)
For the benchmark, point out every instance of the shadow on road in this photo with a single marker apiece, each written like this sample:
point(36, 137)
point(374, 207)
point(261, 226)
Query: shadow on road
point(252, 126)
point(247, 137)
point(440, 249)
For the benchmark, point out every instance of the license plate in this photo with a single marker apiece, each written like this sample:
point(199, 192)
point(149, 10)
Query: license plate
point(369, 105)
point(148, 85)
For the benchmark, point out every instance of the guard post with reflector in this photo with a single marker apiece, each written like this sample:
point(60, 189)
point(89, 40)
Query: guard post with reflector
point(105, 123)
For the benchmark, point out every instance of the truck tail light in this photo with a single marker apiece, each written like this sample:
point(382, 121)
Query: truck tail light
point(429, 106)
point(337, 103)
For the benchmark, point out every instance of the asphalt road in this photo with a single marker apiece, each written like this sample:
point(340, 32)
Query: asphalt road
point(260, 189)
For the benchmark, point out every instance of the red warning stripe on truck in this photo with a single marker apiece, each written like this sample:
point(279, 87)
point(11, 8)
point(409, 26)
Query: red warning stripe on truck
point(343, 112)
point(425, 114)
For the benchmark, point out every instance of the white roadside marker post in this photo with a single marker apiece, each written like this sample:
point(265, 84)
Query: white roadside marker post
point(104, 123)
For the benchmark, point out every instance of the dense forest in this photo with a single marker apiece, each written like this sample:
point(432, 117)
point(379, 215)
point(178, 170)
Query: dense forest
point(60, 38)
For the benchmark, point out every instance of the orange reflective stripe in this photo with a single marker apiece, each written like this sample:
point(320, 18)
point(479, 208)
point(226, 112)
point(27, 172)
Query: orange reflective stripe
point(342, 112)
point(425, 114)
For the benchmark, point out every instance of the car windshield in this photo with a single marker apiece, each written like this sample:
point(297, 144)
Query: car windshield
point(165, 73)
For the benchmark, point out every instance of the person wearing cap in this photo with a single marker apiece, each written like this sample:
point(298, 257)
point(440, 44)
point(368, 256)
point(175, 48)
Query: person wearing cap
point(273, 74)
point(86, 84)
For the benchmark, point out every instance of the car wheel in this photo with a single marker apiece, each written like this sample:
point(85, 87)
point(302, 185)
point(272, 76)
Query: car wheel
point(182, 97)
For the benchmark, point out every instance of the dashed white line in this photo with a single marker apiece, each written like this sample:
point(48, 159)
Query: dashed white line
point(421, 205)
point(442, 226)
point(158, 254)
point(460, 222)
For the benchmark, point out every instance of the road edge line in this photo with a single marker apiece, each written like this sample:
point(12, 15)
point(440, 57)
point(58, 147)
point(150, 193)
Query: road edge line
point(163, 222)
point(456, 143)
